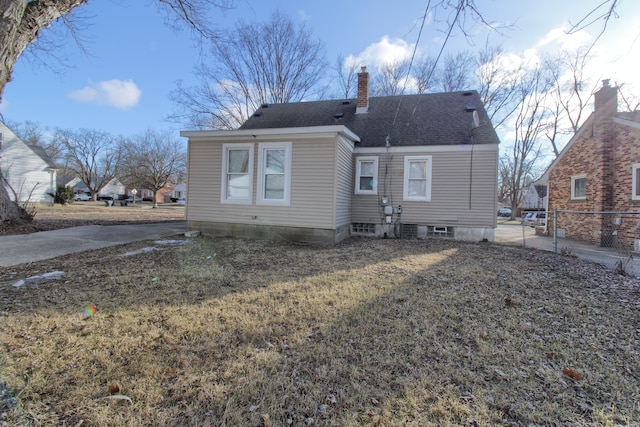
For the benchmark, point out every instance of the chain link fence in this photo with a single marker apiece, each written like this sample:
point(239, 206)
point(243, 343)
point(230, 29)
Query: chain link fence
point(609, 237)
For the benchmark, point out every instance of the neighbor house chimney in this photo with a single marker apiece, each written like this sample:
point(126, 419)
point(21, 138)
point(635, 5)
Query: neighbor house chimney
point(362, 105)
point(606, 99)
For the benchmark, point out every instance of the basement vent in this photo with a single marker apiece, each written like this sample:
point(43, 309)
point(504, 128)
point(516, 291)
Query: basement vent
point(409, 231)
point(363, 228)
point(439, 231)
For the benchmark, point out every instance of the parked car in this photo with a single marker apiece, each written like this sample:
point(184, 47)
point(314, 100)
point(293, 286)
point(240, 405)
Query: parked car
point(130, 199)
point(504, 212)
point(181, 202)
point(535, 218)
point(81, 197)
point(103, 197)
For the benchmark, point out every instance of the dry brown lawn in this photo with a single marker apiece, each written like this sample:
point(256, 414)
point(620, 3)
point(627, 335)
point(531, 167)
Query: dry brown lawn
point(49, 217)
point(369, 332)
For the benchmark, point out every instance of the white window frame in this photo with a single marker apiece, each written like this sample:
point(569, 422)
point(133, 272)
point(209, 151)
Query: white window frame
point(224, 197)
point(635, 183)
point(359, 161)
point(428, 172)
point(263, 147)
point(573, 187)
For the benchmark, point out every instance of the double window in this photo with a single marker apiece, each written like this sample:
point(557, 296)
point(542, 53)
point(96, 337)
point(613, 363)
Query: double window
point(274, 173)
point(367, 175)
point(417, 178)
point(579, 187)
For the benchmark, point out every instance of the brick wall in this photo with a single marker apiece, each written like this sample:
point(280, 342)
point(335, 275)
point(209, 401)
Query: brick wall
point(605, 151)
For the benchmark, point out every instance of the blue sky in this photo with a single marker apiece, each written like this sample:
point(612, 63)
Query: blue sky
point(122, 85)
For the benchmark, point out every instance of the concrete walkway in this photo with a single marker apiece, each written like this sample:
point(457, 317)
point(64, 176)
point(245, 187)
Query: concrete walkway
point(515, 234)
point(23, 248)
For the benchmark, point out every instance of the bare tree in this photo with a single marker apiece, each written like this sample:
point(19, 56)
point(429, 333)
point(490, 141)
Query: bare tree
point(424, 73)
point(271, 62)
point(22, 21)
point(627, 99)
point(602, 13)
point(456, 72)
point(346, 76)
point(518, 163)
point(391, 79)
point(152, 161)
point(568, 95)
point(92, 155)
point(498, 84)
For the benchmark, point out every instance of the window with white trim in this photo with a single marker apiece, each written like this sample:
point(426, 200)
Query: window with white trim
point(417, 178)
point(367, 175)
point(237, 173)
point(635, 181)
point(274, 173)
point(579, 187)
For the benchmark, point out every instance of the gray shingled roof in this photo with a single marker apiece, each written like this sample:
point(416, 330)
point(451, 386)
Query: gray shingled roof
point(429, 119)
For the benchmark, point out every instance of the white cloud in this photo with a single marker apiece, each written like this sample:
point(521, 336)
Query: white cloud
point(122, 94)
point(385, 51)
point(302, 14)
point(559, 38)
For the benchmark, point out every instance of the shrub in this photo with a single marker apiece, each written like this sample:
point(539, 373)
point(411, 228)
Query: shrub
point(64, 194)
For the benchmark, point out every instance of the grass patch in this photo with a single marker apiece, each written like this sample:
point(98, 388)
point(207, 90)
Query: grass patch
point(369, 332)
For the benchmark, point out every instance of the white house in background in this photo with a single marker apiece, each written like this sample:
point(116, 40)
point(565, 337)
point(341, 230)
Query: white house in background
point(114, 188)
point(535, 198)
point(28, 171)
point(180, 191)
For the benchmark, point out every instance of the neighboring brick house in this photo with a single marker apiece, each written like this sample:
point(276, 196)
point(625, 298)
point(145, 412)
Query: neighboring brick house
point(599, 171)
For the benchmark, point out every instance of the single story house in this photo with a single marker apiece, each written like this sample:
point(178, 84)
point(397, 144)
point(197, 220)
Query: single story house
point(28, 172)
point(114, 188)
point(317, 172)
point(598, 173)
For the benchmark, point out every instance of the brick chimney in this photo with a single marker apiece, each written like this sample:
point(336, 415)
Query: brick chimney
point(606, 99)
point(362, 105)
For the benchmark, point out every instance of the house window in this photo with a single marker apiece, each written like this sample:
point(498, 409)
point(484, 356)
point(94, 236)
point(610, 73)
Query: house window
point(237, 173)
point(579, 187)
point(635, 182)
point(367, 175)
point(274, 173)
point(417, 178)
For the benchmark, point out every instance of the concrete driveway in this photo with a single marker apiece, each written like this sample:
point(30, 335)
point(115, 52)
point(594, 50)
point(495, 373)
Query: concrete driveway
point(22, 248)
point(515, 234)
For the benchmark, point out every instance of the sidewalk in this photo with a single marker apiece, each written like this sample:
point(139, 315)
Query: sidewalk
point(515, 234)
point(23, 248)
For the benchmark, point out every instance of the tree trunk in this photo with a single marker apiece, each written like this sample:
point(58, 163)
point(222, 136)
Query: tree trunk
point(9, 210)
point(20, 22)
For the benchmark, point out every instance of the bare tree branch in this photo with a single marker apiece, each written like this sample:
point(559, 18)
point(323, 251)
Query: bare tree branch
point(272, 62)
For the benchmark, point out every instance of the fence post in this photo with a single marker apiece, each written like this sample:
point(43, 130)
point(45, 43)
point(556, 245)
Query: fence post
point(555, 230)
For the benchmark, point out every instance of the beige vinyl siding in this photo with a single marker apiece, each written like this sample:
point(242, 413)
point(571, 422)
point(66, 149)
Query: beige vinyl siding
point(312, 186)
point(344, 185)
point(449, 203)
